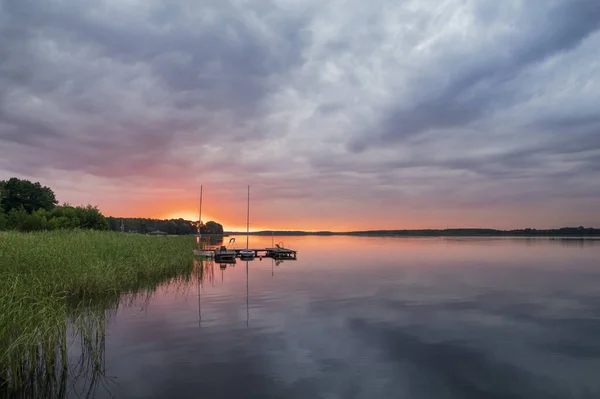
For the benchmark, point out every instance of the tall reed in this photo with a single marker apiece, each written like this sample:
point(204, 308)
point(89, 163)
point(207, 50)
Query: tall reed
point(55, 282)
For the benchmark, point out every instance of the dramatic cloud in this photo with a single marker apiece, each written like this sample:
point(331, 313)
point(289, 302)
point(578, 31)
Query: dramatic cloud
point(401, 114)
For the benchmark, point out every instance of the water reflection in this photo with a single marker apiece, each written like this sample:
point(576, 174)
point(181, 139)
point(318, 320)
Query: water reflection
point(414, 318)
point(74, 351)
point(70, 359)
point(209, 240)
point(205, 274)
point(247, 296)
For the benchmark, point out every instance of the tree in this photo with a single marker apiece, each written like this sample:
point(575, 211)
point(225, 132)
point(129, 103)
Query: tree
point(170, 226)
point(17, 193)
point(91, 218)
point(212, 228)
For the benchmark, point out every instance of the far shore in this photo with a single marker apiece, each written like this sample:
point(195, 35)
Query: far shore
point(569, 232)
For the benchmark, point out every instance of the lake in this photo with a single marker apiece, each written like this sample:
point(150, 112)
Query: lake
point(361, 317)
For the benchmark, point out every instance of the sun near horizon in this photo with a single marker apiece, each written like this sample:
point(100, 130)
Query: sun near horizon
point(265, 215)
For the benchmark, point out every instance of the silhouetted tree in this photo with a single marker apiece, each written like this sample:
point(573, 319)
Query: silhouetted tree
point(212, 228)
point(170, 226)
point(17, 193)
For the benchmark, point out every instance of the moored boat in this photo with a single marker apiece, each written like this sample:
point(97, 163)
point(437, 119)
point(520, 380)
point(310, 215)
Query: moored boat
point(222, 253)
point(247, 254)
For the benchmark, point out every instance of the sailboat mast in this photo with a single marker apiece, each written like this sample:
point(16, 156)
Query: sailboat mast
point(248, 218)
point(200, 220)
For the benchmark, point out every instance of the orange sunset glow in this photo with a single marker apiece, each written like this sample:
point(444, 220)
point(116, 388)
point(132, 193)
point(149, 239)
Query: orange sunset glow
point(286, 214)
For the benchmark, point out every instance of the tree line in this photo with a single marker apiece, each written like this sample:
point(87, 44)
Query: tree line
point(28, 206)
point(167, 226)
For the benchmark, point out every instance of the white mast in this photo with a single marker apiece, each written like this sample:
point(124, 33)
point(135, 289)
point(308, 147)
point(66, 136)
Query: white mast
point(200, 221)
point(248, 218)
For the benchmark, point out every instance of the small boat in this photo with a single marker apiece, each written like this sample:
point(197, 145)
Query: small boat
point(247, 254)
point(222, 253)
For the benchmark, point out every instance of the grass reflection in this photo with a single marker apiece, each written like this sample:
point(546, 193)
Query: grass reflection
point(59, 290)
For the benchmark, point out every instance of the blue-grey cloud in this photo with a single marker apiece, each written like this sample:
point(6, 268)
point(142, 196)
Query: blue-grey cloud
point(467, 102)
point(480, 87)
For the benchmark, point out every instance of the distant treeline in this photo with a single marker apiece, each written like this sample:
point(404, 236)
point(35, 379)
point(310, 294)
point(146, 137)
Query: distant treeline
point(27, 206)
point(565, 231)
point(167, 226)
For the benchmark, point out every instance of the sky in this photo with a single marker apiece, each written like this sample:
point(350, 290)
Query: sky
point(340, 115)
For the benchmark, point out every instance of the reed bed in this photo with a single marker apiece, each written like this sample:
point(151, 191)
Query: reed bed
point(60, 283)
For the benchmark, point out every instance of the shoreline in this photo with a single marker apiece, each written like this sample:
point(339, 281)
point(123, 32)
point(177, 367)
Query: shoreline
point(558, 233)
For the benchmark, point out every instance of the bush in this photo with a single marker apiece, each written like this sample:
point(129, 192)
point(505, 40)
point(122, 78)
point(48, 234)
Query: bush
point(59, 218)
point(27, 206)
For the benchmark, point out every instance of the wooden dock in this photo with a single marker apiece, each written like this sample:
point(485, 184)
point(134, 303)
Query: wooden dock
point(280, 253)
point(275, 253)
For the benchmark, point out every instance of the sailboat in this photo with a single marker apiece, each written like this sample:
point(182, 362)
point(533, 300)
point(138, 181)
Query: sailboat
point(247, 253)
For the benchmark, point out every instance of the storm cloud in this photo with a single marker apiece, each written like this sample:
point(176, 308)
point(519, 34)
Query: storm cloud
point(455, 105)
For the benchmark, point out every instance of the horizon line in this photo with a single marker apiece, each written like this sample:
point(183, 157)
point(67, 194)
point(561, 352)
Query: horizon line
point(408, 230)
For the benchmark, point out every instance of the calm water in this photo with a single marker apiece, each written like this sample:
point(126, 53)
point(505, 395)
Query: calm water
point(370, 318)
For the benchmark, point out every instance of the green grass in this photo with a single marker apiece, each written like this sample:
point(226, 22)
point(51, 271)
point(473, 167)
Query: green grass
point(53, 283)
